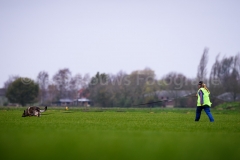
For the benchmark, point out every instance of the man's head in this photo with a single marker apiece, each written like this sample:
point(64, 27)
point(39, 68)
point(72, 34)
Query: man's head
point(200, 84)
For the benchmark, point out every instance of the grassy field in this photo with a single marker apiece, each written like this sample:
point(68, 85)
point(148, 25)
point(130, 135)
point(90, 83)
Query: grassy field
point(119, 134)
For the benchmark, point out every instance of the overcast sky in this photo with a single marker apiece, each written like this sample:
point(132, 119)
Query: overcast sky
point(87, 36)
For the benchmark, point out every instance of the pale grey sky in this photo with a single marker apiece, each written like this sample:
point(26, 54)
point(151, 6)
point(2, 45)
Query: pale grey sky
point(87, 36)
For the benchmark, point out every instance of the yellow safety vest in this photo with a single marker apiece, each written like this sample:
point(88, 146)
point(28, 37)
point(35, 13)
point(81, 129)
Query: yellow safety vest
point(206, 99)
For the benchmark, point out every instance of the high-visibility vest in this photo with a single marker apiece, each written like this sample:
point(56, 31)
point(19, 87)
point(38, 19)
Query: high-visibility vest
point(206, 99)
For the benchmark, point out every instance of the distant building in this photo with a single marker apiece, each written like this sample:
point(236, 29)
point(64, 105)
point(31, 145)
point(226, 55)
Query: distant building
point(228, 97)
point(63, 102)
point(82, 102)
point(71, 102)
point(66, 101)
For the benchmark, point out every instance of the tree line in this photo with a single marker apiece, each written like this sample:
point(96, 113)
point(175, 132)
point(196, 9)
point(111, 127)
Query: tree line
point(140, 86)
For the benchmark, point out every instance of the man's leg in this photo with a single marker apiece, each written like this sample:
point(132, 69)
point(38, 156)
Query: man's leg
point(207, 110)
point(198, 113)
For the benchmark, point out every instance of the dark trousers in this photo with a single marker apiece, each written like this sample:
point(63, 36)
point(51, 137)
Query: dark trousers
point(207, 111)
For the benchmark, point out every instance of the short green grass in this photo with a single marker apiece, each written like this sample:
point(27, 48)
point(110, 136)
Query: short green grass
point(119, 134)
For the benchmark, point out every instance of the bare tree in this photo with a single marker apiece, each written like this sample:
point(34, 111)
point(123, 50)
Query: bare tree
point(175, 84)
point(119, 89)
point(142, 82)
point(122, 90)
point(202, 67)
point(226, 72)
point(215, 85)
point(98, 89)
point(235, 77)
point(237, 65)
point(175, 81)
point(74, 86)
point(62, 79)
point(52, 93)
point(42, 80)
point(85, 81)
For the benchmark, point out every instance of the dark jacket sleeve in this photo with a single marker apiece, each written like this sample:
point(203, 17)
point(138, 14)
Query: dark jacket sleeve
point(201, 96)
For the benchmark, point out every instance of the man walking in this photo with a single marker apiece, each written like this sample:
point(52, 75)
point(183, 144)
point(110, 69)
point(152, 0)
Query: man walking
point(203, 102)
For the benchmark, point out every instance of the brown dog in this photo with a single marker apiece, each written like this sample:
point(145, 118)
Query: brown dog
point(33, 111)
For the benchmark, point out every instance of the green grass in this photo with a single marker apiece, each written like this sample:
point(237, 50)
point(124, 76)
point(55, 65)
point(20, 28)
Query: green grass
point(119, 134)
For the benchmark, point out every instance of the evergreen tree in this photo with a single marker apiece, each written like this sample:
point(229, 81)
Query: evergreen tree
point(22, 91)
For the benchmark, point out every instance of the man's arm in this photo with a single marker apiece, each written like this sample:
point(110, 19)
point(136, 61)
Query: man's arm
point(201, 97)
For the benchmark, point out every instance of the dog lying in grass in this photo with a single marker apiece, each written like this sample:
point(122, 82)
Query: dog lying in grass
point(33, 111)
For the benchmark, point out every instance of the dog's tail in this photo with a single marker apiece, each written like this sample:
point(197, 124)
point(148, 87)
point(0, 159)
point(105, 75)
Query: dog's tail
point(44, 109)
